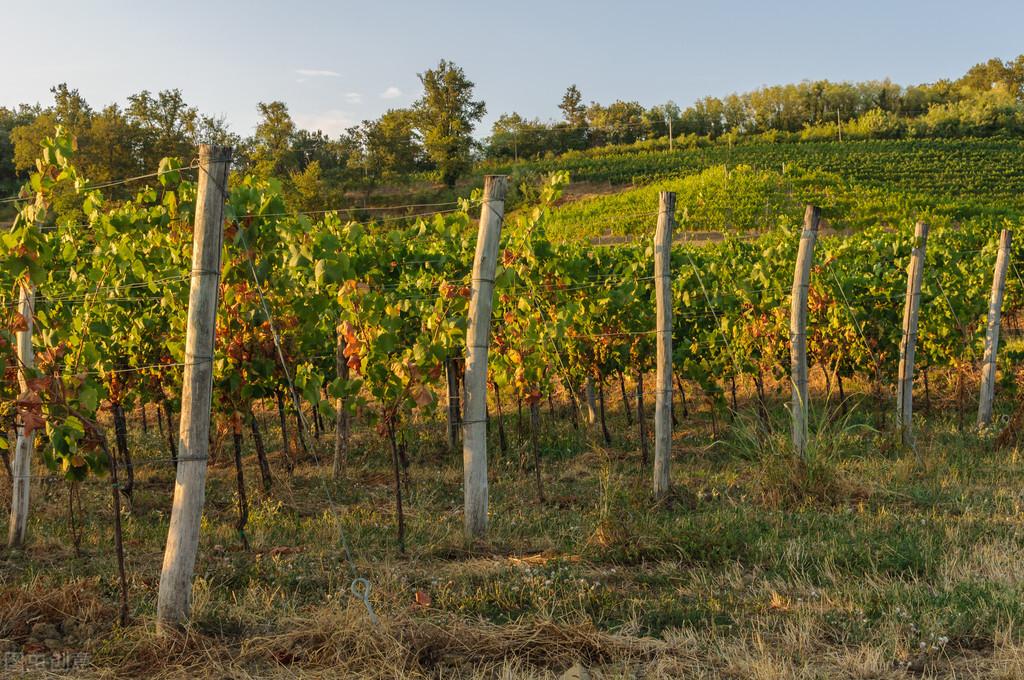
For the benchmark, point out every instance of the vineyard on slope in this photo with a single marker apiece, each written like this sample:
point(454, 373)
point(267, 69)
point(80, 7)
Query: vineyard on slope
point(964, 177)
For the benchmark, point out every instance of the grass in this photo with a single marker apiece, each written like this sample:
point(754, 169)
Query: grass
point(859, 564)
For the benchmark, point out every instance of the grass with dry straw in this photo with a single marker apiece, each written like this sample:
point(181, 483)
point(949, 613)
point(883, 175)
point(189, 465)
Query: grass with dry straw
point(858, 562)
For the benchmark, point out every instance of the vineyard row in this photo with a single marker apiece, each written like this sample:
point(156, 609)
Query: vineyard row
point(404, 305)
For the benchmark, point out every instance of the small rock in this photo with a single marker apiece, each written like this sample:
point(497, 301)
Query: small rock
point(577, 672)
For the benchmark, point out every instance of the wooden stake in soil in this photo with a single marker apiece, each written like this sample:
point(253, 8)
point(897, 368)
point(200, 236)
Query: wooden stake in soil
point(905, 382)
point(174, 597)
point(995, 307)
point(590, 400)
point(25, 445)
point(663, 340)
point(478, 330)
point(798, 328)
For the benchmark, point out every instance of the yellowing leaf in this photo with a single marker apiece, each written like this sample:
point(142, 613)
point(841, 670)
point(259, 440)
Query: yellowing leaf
point(422, 395)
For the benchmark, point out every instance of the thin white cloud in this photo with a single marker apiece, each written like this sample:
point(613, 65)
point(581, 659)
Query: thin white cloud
point(354, 97)
point(332, 122)
point(391, 93)
point(317, 73)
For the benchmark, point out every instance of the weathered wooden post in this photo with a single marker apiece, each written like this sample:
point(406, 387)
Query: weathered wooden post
point(995, 308)
point(174, 597)
point(590, 400)
point(478, 330)
point(908, 342)
point(663, 341)
point(24, 450)
point(798, 328)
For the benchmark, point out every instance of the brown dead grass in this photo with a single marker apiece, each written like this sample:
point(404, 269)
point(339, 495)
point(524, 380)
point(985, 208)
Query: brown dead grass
point(336, 642)
point(78, 602)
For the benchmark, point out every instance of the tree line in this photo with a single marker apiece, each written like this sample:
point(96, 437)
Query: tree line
point(436, 134)
point(987, 100)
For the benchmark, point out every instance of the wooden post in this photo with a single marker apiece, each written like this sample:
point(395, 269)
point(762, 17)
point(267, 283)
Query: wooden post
point(24, 450)
point(995, 307)
point(174, 598)
point(590, 400)
point(798, 328)
point(478, 330)
point(663, 340)
point(905, 381)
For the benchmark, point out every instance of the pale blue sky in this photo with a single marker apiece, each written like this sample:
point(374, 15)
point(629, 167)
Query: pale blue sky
point(336, 63)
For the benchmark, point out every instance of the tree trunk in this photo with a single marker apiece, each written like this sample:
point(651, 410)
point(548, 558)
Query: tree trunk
point(118, 540)
point(600, 406)
point(121, 438)
point(403, 458)
point(574, 409)
point(390, 427)
point(300, 430)
point(451, 373)
point(535, 444)
point(960, 397)
point(12, 437)
point(927, 391)
point(682, 397)
point(261, 452)
point(714, 415)
point(641, 419)
point(341, 417)
point(318, 425)
point(243, 503)
point(502, 441)
point(520, 430)
point(627, 408)
point(74, 528)
point(172, 446)
point(289, 464)
point(145, 421)
point(762, 402)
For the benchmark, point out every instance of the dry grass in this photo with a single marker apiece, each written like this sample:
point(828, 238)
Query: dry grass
point(860, 563)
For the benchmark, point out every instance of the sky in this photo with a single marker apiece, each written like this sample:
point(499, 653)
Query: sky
point(336, 63)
